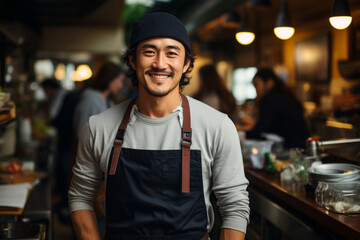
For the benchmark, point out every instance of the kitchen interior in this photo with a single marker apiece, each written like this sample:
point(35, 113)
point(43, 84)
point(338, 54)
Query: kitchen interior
point(310, 193)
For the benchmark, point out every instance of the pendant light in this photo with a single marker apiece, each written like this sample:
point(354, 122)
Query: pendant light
point(245, 36)
point(82, 73)
point(283, 28)
point(340, 15)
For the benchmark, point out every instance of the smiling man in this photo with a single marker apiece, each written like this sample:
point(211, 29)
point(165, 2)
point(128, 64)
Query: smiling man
point(161, 154)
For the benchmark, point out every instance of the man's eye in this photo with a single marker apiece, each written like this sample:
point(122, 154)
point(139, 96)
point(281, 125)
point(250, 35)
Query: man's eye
point(172, 53)
point(149, 52)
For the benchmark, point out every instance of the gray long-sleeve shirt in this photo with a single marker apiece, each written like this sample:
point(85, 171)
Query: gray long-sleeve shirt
point(213, 134)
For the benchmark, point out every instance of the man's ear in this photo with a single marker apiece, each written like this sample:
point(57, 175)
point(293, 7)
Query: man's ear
point(186, 66)
point(132, 62)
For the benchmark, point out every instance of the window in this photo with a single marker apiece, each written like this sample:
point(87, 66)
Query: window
point(243, 88)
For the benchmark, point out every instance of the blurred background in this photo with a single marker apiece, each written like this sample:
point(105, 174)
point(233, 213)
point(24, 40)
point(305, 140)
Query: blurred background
point(51, 51)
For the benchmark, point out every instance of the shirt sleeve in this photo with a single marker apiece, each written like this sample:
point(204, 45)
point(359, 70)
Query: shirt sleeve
point(87, 175)
point(229, 181)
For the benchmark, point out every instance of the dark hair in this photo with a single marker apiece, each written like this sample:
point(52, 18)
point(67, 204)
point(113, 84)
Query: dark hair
point(51, 83)
point(107, 73)
point(131, 73)
point(265, 74)
point(213, 83)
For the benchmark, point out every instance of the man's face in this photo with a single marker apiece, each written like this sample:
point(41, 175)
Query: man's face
point(159, 65)
point(261, 87)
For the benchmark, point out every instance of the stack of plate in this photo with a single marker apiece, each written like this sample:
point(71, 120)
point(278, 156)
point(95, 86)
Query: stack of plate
point(334, 172)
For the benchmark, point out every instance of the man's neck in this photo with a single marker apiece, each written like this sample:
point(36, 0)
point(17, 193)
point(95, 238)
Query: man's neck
point(157, 107)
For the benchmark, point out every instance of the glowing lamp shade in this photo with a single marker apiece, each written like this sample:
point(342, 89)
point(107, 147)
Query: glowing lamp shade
point(283, 28)
point(284, 33)
point(82, 73)
point(340, 14)
point(340, 22)
point(245, 38)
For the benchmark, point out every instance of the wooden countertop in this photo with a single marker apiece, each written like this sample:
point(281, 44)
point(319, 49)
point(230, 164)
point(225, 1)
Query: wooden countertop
point(296, 197)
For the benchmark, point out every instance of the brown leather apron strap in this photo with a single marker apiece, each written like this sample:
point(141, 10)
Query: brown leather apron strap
point(185, 146)
point(205, 237)
point(120, 138)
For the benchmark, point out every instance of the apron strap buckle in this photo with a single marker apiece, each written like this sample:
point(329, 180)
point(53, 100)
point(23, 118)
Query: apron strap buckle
point(120, 134)
point(186, 139)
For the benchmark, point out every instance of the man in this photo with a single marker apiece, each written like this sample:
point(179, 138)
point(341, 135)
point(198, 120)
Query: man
point(160, 165)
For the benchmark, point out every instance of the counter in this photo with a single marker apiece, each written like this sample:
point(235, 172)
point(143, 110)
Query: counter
point(38, 206)
point(37, 209)
point(301, 203)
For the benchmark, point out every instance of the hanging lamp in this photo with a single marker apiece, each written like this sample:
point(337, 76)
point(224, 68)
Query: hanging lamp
point(283, 29)
point(340, 14)
point(245, 36)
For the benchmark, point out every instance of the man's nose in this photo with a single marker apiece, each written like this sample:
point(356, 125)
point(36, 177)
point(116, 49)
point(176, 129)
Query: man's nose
point(160, 61)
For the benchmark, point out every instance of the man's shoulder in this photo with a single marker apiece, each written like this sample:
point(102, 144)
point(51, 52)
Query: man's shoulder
point(204, 114)
point(199, 108)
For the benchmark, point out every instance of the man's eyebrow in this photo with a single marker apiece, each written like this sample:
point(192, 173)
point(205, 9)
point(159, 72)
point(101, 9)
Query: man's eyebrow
point(173, 47)
point(148, 45)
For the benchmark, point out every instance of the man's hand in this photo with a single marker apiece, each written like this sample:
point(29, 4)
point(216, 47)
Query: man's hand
point(85, 225)
point(230, 234)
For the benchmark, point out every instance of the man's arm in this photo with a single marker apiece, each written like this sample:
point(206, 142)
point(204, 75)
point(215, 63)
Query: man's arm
point(229, 181)
point(84, 187)
point(85, 225)
point(230, 234)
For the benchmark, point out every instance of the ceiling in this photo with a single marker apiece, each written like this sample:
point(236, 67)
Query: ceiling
point(37, 13)
point(207, 16)
point(204, 17)
point(24, 22)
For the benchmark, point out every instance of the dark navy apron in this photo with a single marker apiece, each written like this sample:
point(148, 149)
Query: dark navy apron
point(155, 194)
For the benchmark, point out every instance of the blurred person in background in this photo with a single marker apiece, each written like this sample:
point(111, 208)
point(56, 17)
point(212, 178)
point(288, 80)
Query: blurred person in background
point(279, 111)
point(214, 93)
point(95, 99)
point(65, 138)
point(55, 94)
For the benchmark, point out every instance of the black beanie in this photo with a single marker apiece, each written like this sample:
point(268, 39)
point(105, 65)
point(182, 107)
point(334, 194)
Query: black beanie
point(153, 25)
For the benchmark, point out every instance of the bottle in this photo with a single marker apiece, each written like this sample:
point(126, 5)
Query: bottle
point(269, 163)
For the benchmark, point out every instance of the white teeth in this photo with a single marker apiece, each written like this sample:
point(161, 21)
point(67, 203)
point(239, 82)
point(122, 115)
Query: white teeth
point(159, 76)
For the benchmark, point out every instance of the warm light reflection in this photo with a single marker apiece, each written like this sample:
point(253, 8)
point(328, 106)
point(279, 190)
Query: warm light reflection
point(82, 73)
point(340, 22)
point(284, 33)
point(307, 87)
point(60, 72)
point(245, 38)
point(254, 151)
point(336, 124)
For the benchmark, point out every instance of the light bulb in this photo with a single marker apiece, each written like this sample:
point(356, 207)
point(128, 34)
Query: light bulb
point(340, 22)
point(245, 38)
point(284, 33)
point(82, 73)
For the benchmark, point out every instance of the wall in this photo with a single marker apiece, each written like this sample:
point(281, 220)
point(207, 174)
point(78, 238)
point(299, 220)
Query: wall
point(79, 38)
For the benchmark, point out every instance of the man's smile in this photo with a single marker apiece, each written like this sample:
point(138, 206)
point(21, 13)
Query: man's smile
point(159, 75)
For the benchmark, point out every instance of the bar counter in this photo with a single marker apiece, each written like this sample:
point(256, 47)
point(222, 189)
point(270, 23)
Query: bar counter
point(302, 202)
